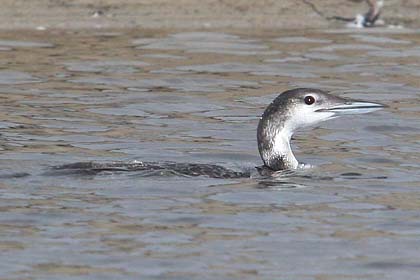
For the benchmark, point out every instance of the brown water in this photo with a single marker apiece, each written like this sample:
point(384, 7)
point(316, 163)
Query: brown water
point(196, 97)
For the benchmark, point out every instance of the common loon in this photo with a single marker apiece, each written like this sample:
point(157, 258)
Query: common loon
point(294, 109)
point(291, 110)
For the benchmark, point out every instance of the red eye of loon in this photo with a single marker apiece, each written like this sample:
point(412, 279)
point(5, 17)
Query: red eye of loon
point(309, 100)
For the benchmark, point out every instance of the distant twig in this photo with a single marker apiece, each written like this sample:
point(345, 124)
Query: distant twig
point(314, 8)
point(321, 14)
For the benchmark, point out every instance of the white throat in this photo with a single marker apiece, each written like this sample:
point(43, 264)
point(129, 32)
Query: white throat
point(282, 148)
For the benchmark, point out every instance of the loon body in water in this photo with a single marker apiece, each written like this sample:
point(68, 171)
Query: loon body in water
point(291, 110)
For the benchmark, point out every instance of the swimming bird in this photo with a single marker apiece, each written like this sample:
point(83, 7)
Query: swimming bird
point(291, 110)
point(370, 18)
point(294, 109)
point(374, 12)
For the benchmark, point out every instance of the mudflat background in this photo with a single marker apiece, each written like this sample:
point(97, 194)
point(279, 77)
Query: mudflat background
point(194, 14)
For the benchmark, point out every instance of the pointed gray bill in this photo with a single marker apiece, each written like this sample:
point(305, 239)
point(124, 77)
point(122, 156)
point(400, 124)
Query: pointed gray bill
point(353, 107)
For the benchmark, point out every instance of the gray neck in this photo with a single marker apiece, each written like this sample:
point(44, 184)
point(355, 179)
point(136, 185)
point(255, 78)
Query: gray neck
point(274, 147)
point(274, 133)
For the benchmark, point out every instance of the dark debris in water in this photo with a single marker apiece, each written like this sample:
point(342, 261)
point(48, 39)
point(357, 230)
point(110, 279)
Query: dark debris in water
point(352, 174)
point(14, 175)
point(355, 176)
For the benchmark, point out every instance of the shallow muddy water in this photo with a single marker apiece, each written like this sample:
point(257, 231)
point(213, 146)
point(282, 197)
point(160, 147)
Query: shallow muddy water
point(195, 97)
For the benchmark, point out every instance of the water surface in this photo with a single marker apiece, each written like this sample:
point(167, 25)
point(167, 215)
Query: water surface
point(196, 97)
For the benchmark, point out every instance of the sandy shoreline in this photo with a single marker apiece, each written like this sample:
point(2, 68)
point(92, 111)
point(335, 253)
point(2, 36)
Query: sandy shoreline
point(193, 14)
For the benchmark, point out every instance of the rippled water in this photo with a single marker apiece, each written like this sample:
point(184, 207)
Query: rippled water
point(196, 97)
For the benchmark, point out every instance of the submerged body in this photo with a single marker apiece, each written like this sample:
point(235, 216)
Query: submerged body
point(291, 110)
point(152, 168)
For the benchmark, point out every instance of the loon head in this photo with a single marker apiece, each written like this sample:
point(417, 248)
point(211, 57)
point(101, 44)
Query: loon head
point(294, 109)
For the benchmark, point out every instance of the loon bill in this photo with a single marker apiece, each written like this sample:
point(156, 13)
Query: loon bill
point(291, 110)
point(294, 109)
